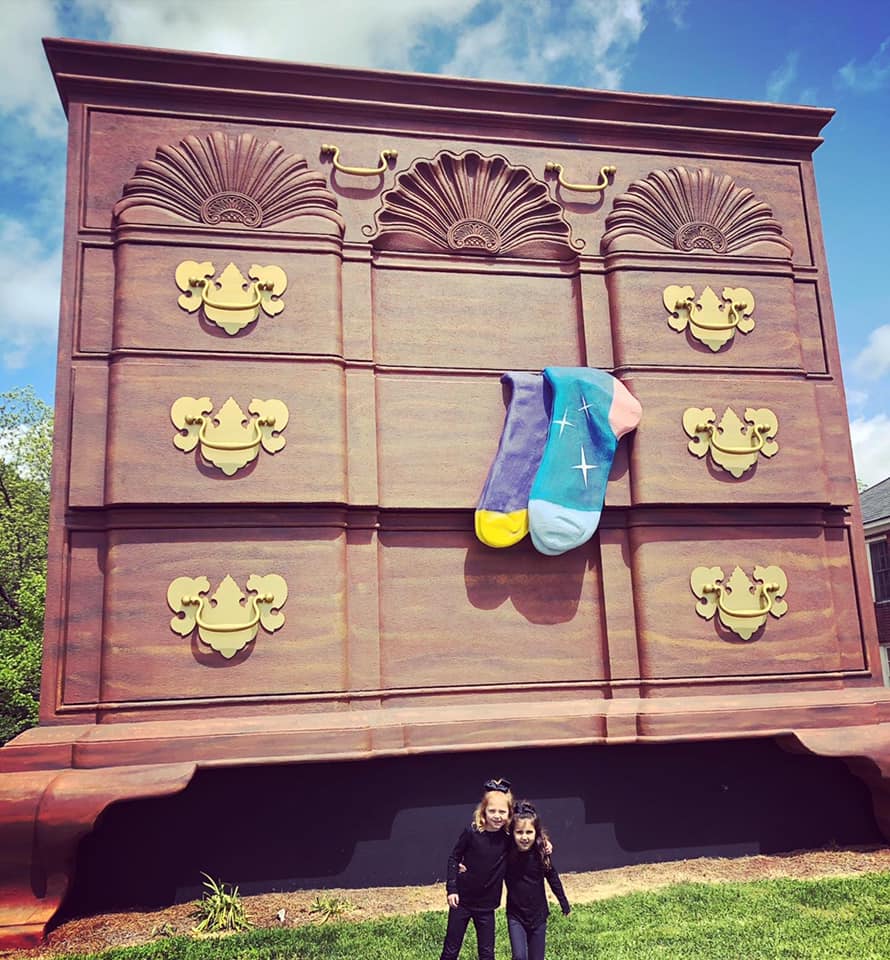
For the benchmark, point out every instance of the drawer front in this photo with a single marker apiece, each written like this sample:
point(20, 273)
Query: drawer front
point(144, 659)
point(472, 320)
point(144, 464)
point(456, 613)
point(643, 334)
point(449, 613)
point(730, 464)
point(820, 631)
point(305, 319)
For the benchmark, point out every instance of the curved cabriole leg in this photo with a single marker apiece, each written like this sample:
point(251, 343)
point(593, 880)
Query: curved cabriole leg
point(866, 752)
point(43, 816)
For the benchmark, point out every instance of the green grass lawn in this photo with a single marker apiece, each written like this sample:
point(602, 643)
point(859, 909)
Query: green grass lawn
point(831, 919)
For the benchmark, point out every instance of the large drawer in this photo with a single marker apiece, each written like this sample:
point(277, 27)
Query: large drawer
point(417, 609)
point(664, 469)
point(641, 322)
point(819, 633)
point(148, 314)
point(144, 465)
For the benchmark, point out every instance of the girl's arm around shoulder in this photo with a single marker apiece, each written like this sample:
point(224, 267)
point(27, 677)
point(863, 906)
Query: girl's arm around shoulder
point(454, 860)
point(558, 892)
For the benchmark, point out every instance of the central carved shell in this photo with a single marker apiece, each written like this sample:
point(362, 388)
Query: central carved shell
point(469, 203)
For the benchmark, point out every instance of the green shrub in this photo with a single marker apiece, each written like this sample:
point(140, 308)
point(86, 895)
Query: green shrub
point(328, 907)
point(220, 910)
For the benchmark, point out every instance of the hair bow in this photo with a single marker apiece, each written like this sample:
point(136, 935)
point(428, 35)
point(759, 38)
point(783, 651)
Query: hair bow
point(501, 785)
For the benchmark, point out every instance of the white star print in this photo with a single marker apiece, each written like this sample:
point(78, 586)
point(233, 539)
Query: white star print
point(585, 408)
point(584, 466)
point(564, 422)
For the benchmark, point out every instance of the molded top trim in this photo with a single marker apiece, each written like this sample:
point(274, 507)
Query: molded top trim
point(83, 68)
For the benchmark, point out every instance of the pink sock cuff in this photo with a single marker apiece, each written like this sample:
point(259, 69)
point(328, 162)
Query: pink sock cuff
point(625, 411)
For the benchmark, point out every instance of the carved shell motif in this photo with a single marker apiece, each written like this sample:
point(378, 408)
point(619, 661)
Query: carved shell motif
point(222, 179)
point(468, 203)
point(696, 211)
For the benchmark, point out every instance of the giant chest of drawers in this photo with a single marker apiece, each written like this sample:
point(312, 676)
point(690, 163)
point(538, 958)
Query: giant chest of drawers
point(357, 342)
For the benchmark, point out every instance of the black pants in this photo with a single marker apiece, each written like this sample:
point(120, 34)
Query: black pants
point(458, 918)
point(527, 943)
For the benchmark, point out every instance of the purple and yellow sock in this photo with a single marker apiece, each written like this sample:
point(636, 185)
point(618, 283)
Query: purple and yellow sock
point(590, 412)
point(502, 514)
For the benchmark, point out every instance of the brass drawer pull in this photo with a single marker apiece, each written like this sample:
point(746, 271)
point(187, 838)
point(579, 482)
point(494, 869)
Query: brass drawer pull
point(733, 444)
point(605, 174)
point(712, 320)
point(224, 441)
point(186, 597)
point(255, 300)
point(237, 302)
point(742, 606)
point(329, 149)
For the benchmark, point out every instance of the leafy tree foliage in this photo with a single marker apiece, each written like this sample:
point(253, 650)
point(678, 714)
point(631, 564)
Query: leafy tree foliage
point(25, 456)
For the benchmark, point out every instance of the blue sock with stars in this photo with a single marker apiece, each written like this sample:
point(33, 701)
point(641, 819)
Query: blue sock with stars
point(590, 412)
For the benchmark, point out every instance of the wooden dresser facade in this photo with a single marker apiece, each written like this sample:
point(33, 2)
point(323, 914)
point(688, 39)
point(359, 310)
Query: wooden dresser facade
point(378, 311)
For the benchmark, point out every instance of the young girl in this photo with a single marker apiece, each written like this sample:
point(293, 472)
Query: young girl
point(474, 892)
point(528, 863)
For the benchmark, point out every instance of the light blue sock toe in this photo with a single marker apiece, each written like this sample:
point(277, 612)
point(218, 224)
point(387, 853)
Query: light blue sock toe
point(555, 529)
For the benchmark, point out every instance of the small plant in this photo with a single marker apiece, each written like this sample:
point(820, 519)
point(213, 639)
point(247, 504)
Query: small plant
point(219, 909)
point(330, 907)
point(165, 929)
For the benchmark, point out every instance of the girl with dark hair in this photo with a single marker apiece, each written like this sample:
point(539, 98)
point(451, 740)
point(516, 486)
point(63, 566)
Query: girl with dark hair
point(528, 863)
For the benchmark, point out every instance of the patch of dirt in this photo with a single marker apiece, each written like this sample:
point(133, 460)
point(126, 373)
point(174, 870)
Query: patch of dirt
point(100, 932)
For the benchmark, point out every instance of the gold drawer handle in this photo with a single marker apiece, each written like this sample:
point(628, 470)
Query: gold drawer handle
point(224, 441)
point(605, 174)
point(755, 435)
point(734, 313)
point(205, 441)
point(765, 593)
point(711, 320)
point(758, 434)
point(232, 307)
point(227, 627)
point(208, 301)
point(329, 149)
point(742, 605)
point(186, 597)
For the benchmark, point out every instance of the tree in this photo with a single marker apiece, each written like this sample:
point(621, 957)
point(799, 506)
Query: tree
point(25, 456)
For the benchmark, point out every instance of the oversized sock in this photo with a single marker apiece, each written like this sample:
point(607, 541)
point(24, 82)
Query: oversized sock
point(590, 411)
point(502, 514)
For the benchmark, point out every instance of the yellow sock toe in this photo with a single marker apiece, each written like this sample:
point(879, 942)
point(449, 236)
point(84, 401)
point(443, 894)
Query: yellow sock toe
point(496, 529)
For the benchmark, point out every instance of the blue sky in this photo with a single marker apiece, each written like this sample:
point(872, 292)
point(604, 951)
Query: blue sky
point(792, 51)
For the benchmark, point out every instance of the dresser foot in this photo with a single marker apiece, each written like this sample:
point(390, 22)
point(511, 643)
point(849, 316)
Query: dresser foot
point(866, 752)
point(43, 816)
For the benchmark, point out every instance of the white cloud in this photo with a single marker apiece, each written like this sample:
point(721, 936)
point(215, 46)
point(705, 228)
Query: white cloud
point(26, 85)
point(31, 322)
point(535, 40)
point(871, 447)
point(381, 33)
point(868, 76)
point(498, 39)
point(677, 12)
point(856, 399)
point(874, 360)
point(781, 78)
